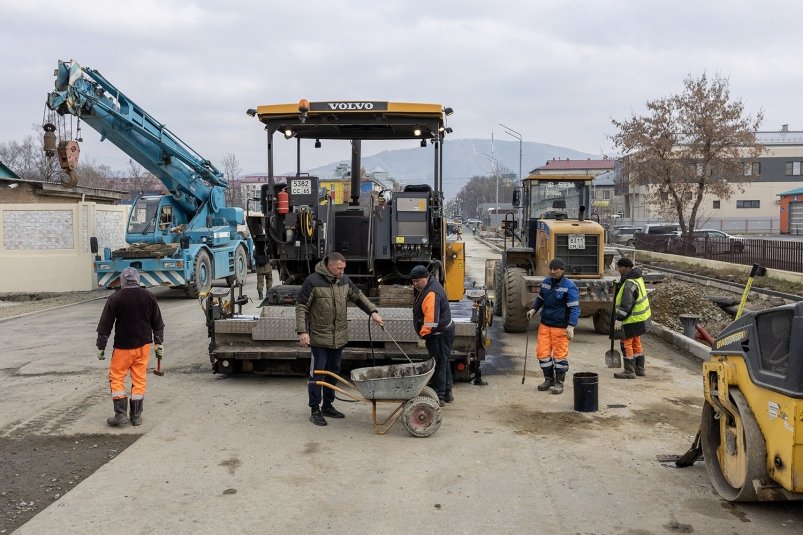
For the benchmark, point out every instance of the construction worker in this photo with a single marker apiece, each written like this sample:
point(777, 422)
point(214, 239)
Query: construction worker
point(263, 267)
point(322, 325)
point(137, 320)
point(560, 301)
point(632, 317)
point(433, 323)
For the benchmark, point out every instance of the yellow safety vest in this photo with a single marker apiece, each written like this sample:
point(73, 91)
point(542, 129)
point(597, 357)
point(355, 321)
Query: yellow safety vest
point(641, 308)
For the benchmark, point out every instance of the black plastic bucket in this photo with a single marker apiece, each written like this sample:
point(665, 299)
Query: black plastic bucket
point(586, 391)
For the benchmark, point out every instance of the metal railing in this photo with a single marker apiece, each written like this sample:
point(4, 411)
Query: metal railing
point(785, 255)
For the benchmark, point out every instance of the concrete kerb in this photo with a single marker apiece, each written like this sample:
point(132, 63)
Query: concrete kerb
point(693, 347)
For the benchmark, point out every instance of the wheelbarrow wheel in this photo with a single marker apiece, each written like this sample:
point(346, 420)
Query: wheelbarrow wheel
point(421, 416)
point(429, 392)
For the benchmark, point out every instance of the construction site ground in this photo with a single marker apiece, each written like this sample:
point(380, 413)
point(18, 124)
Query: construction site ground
point(219, 454)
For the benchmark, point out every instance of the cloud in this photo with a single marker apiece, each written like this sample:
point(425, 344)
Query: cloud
point(555, 71)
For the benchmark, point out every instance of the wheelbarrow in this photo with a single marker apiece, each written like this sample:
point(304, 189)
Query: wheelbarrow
point(404, 384)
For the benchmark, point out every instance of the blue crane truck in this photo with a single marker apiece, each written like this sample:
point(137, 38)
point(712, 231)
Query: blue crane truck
point(185, 239)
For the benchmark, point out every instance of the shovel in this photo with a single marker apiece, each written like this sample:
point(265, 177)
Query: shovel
point(613, 359)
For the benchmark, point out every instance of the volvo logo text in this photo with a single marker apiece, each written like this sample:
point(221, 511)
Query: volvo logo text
point(351, 105)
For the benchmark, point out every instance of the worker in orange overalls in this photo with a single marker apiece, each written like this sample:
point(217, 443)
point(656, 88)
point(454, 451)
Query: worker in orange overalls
point(137, 320)
point(559, 302)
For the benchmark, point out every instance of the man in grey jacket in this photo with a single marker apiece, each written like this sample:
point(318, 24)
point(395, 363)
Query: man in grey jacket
point(322, 325)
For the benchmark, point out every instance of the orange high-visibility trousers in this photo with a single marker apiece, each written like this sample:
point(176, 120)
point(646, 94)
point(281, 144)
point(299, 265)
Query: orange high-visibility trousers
point(552, 342)
point(134, 361)
point(632, 347)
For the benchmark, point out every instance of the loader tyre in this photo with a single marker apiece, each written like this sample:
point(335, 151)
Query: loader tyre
point(514, 312)
point(240, 268)
point(421, 416)
point(734, 450)
point(499, 288)
point(202, 279)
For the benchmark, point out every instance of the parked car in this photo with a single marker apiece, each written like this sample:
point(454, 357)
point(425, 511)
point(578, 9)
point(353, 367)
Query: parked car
point(655, 236)
point(710, 242)
point(621, 234)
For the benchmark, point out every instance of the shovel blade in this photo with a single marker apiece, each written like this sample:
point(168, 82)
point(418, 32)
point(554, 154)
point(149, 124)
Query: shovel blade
point(613, 359)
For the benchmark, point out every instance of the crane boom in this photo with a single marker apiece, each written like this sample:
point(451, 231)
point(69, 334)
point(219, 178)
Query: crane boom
point(184, 239)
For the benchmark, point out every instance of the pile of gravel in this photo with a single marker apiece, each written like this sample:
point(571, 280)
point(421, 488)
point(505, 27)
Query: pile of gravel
point(673, 298)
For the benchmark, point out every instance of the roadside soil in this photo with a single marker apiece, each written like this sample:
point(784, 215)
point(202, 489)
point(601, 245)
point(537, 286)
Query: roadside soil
point(38, 470)
point(17, 304)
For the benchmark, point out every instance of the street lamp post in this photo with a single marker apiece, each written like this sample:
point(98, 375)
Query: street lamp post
point(495, 163)
point(509, 131)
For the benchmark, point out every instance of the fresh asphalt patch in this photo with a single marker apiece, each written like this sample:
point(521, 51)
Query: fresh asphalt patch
point(37, 470)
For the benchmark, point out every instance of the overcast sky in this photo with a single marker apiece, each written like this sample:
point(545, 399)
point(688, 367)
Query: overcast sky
point(556, 71)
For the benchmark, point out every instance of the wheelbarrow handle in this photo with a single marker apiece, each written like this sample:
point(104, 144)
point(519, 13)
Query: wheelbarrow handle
point(337, 389)
point(336, 376)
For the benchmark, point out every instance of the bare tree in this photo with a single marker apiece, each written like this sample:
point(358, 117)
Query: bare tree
point(27, 159)
point(94, 175)
point(688, 145)
point(482, 189)
point(139, 180)
point(231, 171)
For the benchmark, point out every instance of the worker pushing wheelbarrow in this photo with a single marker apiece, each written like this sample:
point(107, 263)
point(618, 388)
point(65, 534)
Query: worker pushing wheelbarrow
point(404, 384)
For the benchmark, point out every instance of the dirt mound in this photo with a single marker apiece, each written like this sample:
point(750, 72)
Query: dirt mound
point(672, 298)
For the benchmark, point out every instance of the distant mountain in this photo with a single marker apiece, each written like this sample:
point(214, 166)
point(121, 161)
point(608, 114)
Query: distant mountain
point(462, 159)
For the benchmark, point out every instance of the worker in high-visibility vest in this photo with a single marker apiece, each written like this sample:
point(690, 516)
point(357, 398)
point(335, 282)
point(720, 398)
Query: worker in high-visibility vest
point(632, 317)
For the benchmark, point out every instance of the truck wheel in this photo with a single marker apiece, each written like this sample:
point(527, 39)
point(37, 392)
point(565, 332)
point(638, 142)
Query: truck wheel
point(240, 268)
point(602, 322)
point(202, 279)
point(514, 313)
point(499, 288)
point(421, 416)
point(734, 450)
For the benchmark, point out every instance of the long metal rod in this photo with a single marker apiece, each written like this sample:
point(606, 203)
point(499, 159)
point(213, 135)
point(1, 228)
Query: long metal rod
point(395, 342)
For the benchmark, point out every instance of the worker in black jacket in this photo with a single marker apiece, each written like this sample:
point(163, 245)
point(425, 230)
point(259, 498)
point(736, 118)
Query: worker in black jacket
point(137, 321)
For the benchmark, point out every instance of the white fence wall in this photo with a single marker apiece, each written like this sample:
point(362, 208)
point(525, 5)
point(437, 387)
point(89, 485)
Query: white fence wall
point(45, 247)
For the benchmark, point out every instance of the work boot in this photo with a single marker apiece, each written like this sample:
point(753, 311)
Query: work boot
point(120, 417)
point(260, 296)
point(316, 417)
point(449, 397)
point(136, 411)
point(640, 366)
point(557, 387)
point(549, 375)
point(628, 373)
point(329, 410)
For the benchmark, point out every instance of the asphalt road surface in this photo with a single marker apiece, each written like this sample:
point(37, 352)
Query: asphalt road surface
point(237, 454)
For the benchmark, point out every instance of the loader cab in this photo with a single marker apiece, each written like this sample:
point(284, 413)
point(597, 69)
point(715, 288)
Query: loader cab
point(554, 194)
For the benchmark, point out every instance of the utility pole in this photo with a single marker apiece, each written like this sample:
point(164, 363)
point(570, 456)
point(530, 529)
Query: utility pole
point(496, 172)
